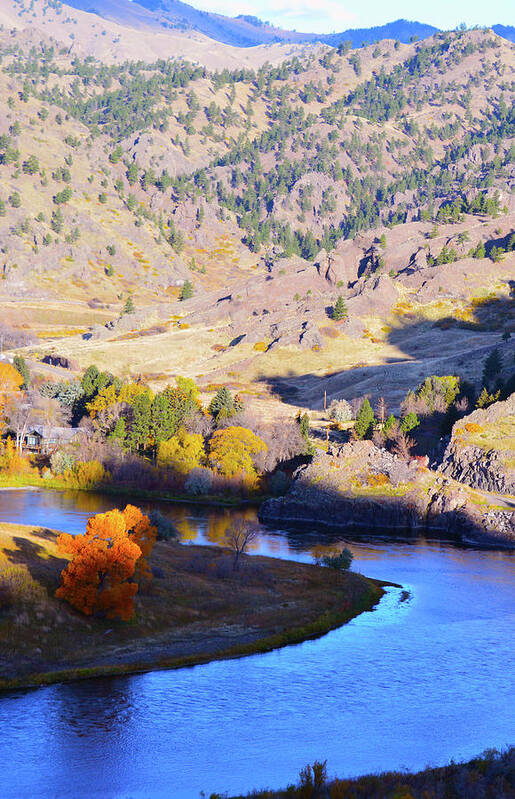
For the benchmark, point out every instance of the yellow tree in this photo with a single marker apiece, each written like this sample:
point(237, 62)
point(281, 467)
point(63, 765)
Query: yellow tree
point(231, 450)
point(129, 392)
point(105, 398)
point(182, 452)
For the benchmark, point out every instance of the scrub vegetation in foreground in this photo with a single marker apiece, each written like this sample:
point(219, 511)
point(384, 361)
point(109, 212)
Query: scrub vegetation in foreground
point(491, 775)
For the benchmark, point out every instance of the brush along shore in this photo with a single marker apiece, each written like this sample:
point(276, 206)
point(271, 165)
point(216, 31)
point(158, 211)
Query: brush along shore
point(196, 609)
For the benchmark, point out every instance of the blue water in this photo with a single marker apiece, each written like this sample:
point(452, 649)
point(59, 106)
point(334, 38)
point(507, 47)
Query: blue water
point(413, 683)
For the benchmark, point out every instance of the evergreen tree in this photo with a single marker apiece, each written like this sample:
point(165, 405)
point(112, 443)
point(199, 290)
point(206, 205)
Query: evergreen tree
point(492, 367)
point(222, 404)
point(20, 364)
point(340, 309)
point(119, 432)
point(304, 426)
point(31, 165)
point(186, 291)
point(129, 306)
point(138, 437)
point(364, 425)
point(409, 422)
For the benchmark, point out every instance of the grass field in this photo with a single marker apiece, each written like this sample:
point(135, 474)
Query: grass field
point(197, 608)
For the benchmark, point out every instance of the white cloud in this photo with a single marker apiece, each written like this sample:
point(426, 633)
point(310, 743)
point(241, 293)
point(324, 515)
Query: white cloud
point(323, 16)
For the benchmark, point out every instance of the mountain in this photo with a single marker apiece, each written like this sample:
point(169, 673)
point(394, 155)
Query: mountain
point(240, 31)
point(245, 30)
point(384, 175)
point(506, 31)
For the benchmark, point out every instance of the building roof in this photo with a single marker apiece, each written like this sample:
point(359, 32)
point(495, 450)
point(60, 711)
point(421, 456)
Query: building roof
point(47, 431)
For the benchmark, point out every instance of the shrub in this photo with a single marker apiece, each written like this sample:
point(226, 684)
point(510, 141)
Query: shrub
point(341, 561)
point(199, 482)
point(13, 462)
point(18, 588)
point(166, 530)
point(472, 427)
point(62, 461)
point(87, 474)
point(378, 479)
point(340, 411)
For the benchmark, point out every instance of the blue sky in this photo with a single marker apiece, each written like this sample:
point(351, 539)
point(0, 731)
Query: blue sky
point(326, 16)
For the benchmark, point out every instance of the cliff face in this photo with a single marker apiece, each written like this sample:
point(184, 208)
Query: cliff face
point(481, 452)
point(360, 487)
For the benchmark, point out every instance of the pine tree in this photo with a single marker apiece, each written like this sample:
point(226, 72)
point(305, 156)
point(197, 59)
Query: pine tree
point(340, 309)
point(129, 305)
point(20, 364)
point(492, 367)
point(364, 425)
point(186, 291)
point(222, 404)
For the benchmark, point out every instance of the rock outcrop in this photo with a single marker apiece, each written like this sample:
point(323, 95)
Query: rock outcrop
point(359, 487)
point(481, 452)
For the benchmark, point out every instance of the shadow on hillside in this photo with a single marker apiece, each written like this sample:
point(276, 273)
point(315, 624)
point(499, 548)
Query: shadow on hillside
point(42, 566)
point(491, 315)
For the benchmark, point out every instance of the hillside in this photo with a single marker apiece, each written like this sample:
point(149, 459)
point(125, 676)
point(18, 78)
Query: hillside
point(384, 175)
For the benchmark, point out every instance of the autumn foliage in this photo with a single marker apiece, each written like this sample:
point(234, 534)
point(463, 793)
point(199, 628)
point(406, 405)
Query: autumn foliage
point(107, 563)
point(10, 383)
point(232, 449)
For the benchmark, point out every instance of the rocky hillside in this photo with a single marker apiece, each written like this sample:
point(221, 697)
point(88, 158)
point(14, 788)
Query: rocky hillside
point(383, 175)
point(481, 452)
point(358, 486)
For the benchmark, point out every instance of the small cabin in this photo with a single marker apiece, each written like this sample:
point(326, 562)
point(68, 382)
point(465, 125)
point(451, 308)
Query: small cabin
point(45, 439)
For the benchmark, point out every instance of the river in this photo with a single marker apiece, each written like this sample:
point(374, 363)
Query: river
point(413, 683)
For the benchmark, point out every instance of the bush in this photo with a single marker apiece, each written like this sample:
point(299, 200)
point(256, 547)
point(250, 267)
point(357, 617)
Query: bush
point(379, 479)
point(472, 427)
point(340, 411)
point(341, 561)
point(278, 483)
point(166, 530)
point(62, 461)
point(18, 588)
point(199, 481)
point(87, 475)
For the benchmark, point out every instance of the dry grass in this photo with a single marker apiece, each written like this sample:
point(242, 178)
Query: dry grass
point(197, 607)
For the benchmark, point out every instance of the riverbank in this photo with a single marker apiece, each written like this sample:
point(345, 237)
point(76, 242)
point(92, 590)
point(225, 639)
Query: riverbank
point(197, 609)
point(358, 486)
point(10, 483)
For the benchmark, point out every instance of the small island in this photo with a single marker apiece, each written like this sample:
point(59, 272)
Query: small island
point(196, 607)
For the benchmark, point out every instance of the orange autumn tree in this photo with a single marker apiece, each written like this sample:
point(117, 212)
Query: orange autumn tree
point(10, 384)
point(107, 562)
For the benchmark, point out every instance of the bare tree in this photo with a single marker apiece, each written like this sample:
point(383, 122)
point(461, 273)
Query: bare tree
point(21, 415)
point(381, 410)
point(50, 412)
point(403, 445)
point(238, 536)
